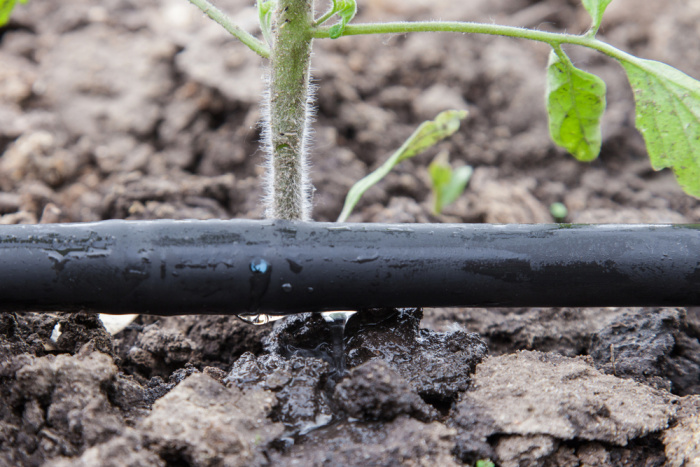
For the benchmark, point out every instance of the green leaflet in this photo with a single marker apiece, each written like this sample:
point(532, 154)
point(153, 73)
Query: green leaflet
point(668, 116)
point(575, 104)
point(346, 9)
point(596, 8)
point(426, 135)
point(447, 183)
point(6, 7)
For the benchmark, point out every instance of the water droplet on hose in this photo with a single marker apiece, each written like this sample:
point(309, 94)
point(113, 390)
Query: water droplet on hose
point(287, 287)
point(294, 266)
point(260, 266)
point(259, 281)
point(366, 258)
point(310, 289)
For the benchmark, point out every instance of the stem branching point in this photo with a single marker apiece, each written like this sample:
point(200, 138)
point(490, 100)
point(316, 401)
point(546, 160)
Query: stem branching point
point(668, 101)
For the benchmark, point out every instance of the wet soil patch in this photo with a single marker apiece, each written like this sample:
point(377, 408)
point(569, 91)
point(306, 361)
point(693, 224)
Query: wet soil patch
point(112, 109)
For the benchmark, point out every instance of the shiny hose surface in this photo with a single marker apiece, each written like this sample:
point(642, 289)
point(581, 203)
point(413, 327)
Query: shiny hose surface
point(243, 266)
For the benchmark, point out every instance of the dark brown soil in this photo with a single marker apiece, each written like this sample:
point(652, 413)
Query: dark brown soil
point(145, 110)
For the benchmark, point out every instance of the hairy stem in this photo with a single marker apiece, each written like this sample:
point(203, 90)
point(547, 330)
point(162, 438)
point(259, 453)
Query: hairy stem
point(287, 186)
point(220, 17)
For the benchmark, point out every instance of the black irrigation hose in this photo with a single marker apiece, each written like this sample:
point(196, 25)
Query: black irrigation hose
point(241, 266)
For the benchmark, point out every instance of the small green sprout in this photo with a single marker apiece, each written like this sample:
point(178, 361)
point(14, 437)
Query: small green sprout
point(6, 7)
point(558, 211)
point(426, 135)
point(447, 183)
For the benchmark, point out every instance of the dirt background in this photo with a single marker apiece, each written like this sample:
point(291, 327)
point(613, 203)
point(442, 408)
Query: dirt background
point(145, 109)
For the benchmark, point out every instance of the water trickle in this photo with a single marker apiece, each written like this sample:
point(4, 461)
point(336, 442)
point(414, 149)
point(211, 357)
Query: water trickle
point(261, 271)
point(259, 281)
point(338, 320)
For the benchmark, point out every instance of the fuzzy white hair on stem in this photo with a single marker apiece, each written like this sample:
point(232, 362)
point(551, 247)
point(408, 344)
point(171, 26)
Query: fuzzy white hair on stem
point(287, 112)
point(302, 191)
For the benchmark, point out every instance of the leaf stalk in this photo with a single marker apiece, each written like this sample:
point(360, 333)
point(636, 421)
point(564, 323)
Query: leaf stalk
point(554, 39)
point(236, 31)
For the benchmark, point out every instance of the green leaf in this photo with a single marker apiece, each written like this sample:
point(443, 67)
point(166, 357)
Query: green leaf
point(447, 183)
point(668, 116)
point(265, 10)
point(575, 104)
point(6, 7)
point(346, 9)
point(596, 8)
point(426, 135)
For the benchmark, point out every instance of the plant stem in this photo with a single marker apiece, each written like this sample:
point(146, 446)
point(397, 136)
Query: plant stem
point(287, 187)
point(552, 38)
point(220, 17)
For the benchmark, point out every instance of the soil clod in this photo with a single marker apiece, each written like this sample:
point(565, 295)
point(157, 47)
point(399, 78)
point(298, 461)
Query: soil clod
point(118, 110)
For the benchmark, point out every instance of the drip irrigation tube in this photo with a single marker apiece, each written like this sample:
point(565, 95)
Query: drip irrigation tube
point(278, 267)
